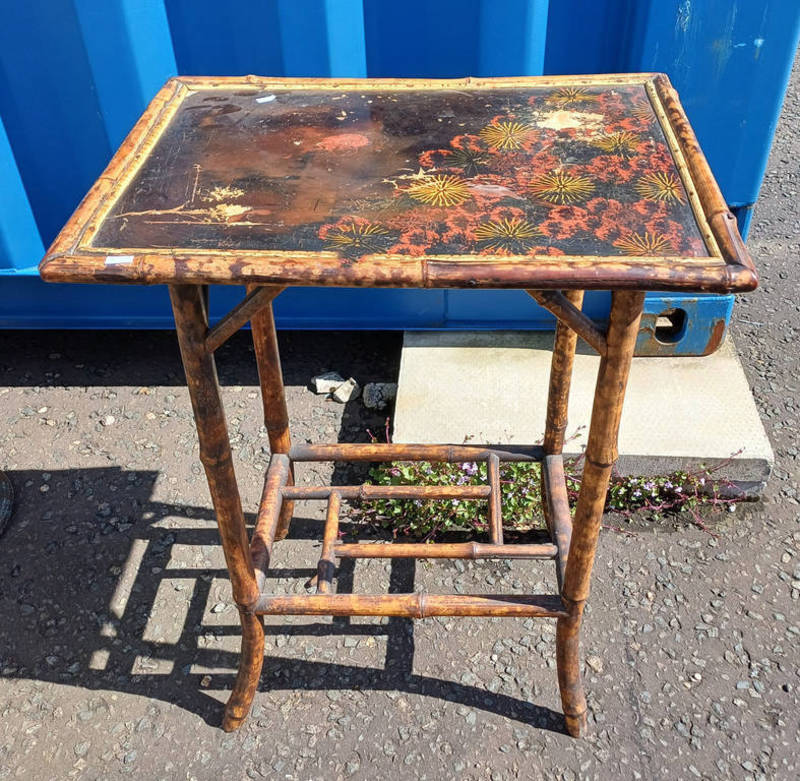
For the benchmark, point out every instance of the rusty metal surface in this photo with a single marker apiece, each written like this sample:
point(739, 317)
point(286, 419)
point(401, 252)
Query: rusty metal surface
point(683, 325)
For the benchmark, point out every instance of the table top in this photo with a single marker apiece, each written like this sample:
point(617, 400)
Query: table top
point(548, 182)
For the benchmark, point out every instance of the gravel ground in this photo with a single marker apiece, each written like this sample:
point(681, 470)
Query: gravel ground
point(119, 639)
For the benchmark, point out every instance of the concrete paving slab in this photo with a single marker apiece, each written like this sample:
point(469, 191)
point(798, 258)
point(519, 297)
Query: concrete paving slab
point(680, 413)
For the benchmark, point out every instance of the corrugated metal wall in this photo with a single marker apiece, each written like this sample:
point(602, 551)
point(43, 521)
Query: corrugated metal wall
point(75, 74)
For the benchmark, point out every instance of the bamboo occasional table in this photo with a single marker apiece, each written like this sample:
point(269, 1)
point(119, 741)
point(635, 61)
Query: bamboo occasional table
point(550, 185)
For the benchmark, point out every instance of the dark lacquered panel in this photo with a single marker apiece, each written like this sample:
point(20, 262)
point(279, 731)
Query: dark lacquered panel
point(572, 170)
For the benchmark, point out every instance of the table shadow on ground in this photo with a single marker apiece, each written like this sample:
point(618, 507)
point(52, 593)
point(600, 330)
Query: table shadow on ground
point(80, 571)
point(150, 358)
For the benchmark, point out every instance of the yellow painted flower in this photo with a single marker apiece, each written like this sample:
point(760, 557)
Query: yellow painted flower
point(440, 190)
point(505, 135)
point(514, 235)
point(660, 187)
point(642, 110)
point(357, 238)
point(643, 243)
point(623, 143)
point(562, 187)
point(566, 96)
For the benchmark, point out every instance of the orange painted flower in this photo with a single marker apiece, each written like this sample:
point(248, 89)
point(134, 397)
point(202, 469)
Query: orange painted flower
point(414, 241)
point(609, 219)
point(466, 141)
point(565, 222)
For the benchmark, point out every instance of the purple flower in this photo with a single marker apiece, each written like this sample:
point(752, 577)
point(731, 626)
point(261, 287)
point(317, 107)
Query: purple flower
point(470, 467)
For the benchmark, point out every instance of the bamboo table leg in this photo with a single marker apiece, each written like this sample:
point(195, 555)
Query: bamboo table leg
point(276, 415)
point(191, 321)
point(191, 318)
point(564, 344)
point(560, 377)
point(601, 452)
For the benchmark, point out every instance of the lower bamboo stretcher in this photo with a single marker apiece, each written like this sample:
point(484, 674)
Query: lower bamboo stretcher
point(412, 605)
point(278, 490)
point(459, 550)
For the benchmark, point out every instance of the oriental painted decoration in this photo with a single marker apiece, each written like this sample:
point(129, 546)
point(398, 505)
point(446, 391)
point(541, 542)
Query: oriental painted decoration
point(526, 171)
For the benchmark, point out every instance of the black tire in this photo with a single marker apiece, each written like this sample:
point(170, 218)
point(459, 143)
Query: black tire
point(6, 501)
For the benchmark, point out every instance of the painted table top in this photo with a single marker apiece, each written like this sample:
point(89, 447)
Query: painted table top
point(496, 183)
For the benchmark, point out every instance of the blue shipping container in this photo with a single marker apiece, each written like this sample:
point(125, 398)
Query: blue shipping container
point(75, 75)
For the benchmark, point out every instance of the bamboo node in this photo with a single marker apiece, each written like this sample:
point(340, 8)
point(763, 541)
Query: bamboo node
point(573, 606)
point(600, 464)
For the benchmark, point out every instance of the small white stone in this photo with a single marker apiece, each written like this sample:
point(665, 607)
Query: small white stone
point(327, 382)
point(595, 662)
point(108, 420)
point(347, 391)
point(378, 395)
